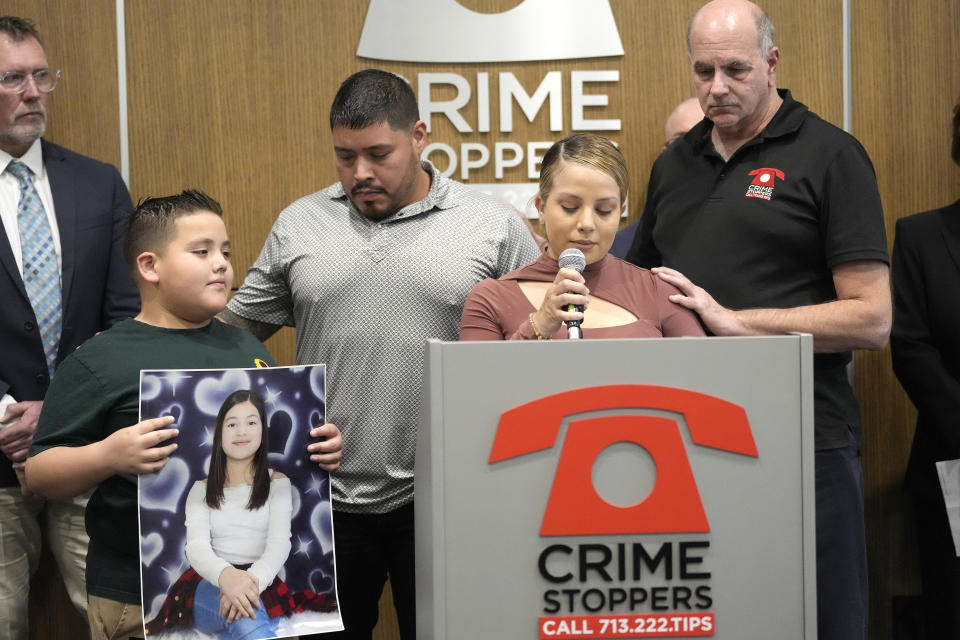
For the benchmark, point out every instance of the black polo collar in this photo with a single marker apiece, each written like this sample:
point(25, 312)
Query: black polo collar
point(787, 120)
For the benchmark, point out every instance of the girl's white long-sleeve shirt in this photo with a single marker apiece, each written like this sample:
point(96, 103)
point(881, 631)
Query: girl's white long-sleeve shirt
point(232, 535)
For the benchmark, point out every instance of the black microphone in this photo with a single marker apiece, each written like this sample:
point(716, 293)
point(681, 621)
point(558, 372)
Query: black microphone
point(573, 259)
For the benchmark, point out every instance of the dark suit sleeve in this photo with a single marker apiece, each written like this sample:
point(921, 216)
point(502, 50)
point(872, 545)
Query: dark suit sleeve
point(643, 252)
point(917, 360)
point(121, 298)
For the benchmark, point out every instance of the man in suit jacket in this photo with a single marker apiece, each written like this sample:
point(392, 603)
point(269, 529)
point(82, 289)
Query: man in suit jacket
point(925, 345)
point(85, 203)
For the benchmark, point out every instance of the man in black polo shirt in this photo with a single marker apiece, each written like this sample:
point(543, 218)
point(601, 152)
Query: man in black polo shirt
point(683, 118)
point(776, 214)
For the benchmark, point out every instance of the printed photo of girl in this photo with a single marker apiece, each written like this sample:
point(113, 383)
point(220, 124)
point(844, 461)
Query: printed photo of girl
point(237, 520)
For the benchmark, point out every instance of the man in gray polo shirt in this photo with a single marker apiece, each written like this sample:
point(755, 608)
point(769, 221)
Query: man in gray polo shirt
point(366, 270)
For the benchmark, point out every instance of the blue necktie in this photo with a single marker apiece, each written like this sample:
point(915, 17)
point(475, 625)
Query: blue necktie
point(41, 276)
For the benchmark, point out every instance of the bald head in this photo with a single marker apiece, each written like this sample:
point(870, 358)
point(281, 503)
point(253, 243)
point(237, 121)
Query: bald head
point(685, 117)
point(731, 15)
point(735, 78)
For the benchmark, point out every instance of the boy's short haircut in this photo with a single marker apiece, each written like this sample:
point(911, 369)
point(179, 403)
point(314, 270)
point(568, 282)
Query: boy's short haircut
point(151, 225)
point(372, 96)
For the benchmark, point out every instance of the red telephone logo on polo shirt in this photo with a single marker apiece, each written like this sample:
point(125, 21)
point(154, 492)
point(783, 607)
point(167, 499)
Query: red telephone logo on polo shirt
point(574, 506)
point(762, 185)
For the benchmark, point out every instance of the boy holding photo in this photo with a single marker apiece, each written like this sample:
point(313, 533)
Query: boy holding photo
point(179, 254)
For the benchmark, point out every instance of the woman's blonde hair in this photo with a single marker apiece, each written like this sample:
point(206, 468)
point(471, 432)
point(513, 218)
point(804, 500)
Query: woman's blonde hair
point(587, 149)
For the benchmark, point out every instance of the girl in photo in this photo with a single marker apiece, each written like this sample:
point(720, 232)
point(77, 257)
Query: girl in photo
point(238, 536)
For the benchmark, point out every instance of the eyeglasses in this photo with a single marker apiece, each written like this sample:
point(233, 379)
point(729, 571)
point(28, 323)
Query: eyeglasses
point(16, 81)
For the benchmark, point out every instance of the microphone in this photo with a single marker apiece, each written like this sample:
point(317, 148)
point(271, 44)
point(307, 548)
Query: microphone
point(573, 259)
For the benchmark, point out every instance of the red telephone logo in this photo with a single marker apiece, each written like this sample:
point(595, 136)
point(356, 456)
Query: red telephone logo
point(574, 507)
point(765, 177)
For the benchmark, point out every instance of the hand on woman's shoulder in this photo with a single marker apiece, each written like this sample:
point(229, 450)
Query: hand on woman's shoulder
point(277, 475)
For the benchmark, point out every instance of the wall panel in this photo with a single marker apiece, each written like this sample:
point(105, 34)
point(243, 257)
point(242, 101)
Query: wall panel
point(232, 96)
point(904, 90)
point(82, 43)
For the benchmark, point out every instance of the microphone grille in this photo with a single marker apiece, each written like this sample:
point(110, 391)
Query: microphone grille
point(572, 259)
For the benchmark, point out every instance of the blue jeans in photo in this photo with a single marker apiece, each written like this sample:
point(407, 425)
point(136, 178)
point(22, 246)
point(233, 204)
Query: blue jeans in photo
point(207, 618)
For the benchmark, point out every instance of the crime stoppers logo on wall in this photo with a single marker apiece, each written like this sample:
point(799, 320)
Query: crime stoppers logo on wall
point(533, 30)
point(443, 32)
point(626, 586)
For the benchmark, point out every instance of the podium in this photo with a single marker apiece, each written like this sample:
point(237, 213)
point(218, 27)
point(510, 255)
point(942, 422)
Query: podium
point(617, 489)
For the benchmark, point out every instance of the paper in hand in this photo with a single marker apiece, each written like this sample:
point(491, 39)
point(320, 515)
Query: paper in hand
point(949, 473)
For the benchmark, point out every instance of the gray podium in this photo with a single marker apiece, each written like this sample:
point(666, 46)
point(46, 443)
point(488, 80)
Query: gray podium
point(617, 489)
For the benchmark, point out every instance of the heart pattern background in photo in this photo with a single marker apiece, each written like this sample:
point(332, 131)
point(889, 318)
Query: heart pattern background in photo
point(295, 402)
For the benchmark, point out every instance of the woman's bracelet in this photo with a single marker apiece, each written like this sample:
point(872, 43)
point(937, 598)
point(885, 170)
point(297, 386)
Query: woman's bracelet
point(536, 331)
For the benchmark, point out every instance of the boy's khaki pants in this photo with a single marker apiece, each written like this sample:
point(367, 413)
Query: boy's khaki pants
point(112, 620)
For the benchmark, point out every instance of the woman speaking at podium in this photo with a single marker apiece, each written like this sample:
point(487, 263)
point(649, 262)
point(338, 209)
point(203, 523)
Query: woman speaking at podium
point(583, 191)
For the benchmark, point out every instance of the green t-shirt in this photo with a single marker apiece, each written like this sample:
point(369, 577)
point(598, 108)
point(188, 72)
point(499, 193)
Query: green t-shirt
point(95, 392)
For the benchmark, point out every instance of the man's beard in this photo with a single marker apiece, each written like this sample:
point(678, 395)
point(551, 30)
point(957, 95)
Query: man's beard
point(22, 136)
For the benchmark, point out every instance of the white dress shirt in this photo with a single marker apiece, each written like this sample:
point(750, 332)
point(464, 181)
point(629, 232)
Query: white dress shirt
point(10, 199)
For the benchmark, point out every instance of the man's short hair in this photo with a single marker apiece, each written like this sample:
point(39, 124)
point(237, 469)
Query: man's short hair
point(765, 33)
point(373, 96)
point(19, 29)
point(151, 225)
